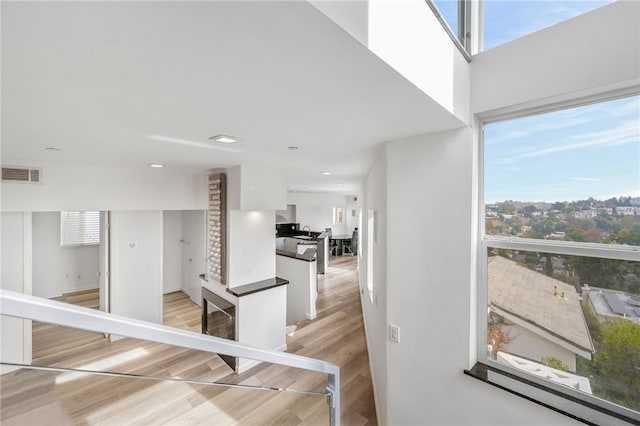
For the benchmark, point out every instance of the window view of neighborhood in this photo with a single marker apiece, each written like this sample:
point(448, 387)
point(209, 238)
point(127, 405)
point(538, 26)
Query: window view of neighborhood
point(565, 177)
point(612, 221)
point(572, 320)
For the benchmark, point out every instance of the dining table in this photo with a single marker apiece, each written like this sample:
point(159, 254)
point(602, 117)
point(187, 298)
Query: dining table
point(340, 239)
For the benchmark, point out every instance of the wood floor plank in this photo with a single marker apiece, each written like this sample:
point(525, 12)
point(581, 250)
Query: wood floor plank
point(29, 397)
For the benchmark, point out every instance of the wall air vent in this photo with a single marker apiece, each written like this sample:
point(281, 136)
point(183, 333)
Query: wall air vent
point(21, 174)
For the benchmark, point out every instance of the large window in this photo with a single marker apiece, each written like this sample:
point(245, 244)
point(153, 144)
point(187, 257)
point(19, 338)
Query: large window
point(560, 256)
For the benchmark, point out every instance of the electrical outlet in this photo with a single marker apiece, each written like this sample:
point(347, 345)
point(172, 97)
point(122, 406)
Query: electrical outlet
point(394, 333)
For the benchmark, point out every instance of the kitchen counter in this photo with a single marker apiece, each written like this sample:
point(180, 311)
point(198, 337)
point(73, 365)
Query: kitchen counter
point(257, 286)
point(307, 256)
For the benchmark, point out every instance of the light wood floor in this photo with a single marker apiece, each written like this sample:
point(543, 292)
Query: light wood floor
point(29, 397)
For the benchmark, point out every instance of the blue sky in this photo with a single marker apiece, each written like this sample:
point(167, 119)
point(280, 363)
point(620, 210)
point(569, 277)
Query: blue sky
point(573, 154)
point(591, 151)
point(506, 20)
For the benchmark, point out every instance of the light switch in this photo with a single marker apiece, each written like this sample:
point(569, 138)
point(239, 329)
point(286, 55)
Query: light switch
point(394, 333)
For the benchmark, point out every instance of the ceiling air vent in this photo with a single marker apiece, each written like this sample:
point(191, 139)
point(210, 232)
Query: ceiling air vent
point(20, 174)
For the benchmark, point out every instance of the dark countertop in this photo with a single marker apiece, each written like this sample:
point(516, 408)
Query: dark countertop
point(257, 286)
point(296, 256)
point(302, 235)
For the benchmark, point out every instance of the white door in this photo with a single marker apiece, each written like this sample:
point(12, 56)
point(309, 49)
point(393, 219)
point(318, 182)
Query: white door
point(193, 252)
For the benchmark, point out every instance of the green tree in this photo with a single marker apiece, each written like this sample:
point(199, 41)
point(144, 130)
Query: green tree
point(592, 323)
point(553, 362)
point(559, 205)
point(575, 233)
point(618, 362)
point(628, 236)
point(603, 273)
point(528, 209)
point(548, 265)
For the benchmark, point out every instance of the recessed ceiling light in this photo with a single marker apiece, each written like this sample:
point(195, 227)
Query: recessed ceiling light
point(51, 148)
point(292, 148)
point(224, 138)
point(156, 166)
point(325, 173)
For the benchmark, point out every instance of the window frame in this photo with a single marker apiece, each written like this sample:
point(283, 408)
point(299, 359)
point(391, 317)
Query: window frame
point(464, 40)
point(567, 397)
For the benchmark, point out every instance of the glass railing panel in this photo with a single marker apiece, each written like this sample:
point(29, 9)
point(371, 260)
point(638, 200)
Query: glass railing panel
point(86, 377)
point(36, 397)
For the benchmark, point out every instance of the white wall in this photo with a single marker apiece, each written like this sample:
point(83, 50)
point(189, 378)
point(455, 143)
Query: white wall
point(428, 180)
point(315, 210)
point(535, 347)
point(15, 275)
point(375, 313)
point(171, 251)
point(593, 52)
point(136, 264)
point(58, 270)
point(318, 217)
point(193, 252)
point(251, 246)
point(352, 16)
point(70, 187)
point(252, 187)
point(407, 35)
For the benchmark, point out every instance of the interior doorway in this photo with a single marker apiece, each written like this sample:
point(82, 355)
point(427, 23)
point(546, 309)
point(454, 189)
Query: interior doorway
point(70, 264)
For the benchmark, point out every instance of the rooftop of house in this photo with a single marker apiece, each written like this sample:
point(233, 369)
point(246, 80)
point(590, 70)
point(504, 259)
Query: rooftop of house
point(613, 303)
point(547, 305)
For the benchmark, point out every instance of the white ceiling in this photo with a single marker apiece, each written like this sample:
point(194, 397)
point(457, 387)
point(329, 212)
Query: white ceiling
point(98, 79)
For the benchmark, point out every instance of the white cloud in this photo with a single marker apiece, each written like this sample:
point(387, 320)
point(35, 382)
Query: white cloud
point(585, 179)
point(627, 132)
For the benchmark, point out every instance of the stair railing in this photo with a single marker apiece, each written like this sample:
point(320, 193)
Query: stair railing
point(28, 307)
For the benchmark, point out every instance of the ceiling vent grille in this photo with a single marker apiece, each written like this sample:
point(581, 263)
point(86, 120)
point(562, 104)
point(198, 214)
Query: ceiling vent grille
point(21, 174)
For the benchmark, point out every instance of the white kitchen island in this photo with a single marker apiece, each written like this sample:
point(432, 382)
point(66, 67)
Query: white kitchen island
point(302, 291)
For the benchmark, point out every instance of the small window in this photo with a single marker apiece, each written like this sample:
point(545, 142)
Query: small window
point(371, 239)
point(79, 228)
point(455, 17)
point(338, 215)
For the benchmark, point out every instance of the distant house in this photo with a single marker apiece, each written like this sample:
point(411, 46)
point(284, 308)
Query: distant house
point(585, 214)
point(606, 210)
point(609, 304)
point(542, 313)
point(626, 211)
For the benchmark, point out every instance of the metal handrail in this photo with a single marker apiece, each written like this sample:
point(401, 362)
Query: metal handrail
point(52, 312)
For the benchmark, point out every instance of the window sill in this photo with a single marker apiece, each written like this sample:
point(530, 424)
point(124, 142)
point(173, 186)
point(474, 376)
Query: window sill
point(547, 396)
